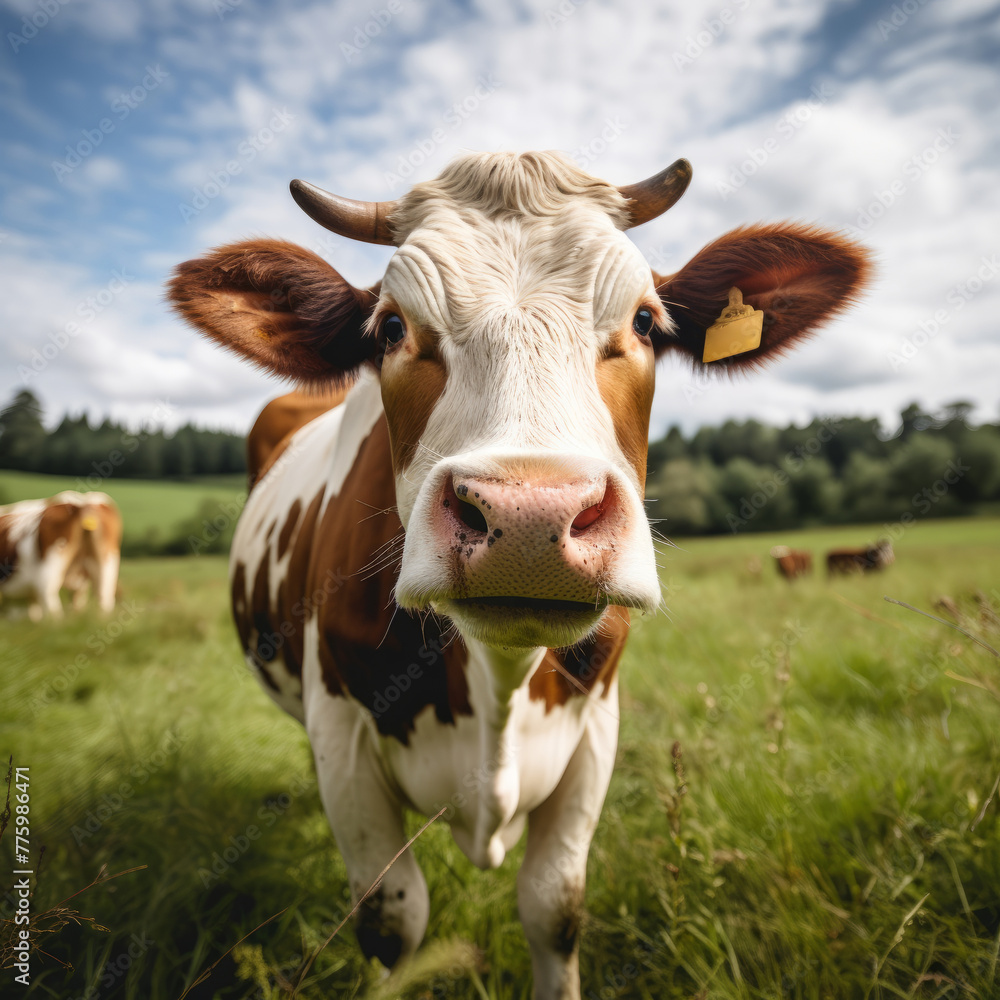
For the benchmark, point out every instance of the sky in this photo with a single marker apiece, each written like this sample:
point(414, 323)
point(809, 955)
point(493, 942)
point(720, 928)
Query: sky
point(138, 135)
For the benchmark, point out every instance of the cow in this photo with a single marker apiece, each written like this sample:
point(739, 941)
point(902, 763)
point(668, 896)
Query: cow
point(436, 577)
point(279, 420)
point(863, 560)
point(792, 563)
point(70, 540)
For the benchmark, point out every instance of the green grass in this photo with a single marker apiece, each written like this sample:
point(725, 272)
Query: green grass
point(150, 508)
point(815, 839)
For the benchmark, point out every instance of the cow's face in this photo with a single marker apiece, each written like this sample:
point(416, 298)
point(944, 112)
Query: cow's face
point(515, 333)
point(517, 378)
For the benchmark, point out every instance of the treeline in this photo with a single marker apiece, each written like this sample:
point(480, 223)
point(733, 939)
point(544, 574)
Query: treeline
point(751, 477)
point(740, 476)
point(93, 453)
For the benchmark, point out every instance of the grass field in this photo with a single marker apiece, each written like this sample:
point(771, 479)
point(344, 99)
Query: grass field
point(825, 831)
point(150, 508)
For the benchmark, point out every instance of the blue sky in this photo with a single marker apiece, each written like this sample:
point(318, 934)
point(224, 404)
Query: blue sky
point(135, 136)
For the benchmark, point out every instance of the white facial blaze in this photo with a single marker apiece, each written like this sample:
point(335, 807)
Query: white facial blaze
point(518, 290)
point(522, 312)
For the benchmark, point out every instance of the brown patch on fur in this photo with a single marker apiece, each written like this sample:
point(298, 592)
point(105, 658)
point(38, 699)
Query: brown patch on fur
point(265, 640)
point(279, 420)
point(8, 550)
point(393, 664)
point(240, 605)
point(59, 522)
point(270, 626)
point(798, 275)
point(294, 604)
point(289, 526)
point(278, 305)
point(110, 526)
point(587, 663)
point(626, 379)
point(101, 536)
point(413, 379)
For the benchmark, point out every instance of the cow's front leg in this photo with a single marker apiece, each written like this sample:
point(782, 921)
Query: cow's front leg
point(367, 822)
point(550, 884)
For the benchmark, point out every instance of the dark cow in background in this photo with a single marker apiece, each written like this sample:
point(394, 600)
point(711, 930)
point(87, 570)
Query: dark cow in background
point(435, 576)
point(792, 563)
point(865, 560)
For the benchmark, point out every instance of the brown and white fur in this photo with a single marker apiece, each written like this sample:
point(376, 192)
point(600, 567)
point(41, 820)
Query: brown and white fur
point(436, 576)
point(70, 540)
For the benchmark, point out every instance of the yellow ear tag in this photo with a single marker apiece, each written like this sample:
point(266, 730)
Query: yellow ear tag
point(89, 522)
point(736, 331)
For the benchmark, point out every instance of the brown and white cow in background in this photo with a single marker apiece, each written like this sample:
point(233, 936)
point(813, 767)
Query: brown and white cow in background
point(436, 577)
point(792, 563)
point(70, 540)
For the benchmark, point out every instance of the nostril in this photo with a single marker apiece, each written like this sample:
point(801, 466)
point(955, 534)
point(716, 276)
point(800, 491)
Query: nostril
point(466, 511)
point(588, 516)
point(471, 516)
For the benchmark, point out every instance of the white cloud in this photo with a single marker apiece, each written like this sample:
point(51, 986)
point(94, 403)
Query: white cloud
point(560, 80)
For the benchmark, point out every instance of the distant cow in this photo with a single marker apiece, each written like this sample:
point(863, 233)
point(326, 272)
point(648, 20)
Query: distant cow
point(792, 563)
point(279, 420)
point(69, 540)
point(864, 560)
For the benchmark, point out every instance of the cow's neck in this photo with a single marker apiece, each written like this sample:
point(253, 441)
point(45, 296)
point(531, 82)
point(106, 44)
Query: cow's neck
point(498, 691)
point(367, 647)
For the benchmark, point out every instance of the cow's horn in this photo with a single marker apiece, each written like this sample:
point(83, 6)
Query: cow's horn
point(652, 197)
point(367, 221)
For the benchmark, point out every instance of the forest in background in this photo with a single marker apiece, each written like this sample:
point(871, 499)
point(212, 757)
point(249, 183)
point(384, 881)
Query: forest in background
point(97, 452)
point(738, 476)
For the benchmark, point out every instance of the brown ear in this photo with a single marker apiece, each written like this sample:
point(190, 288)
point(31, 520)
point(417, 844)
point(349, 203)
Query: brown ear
point(798, 275)
point(280, 306)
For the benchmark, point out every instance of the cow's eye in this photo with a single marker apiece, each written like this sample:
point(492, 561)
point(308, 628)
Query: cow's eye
point(643, 322)
point(393, 329)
